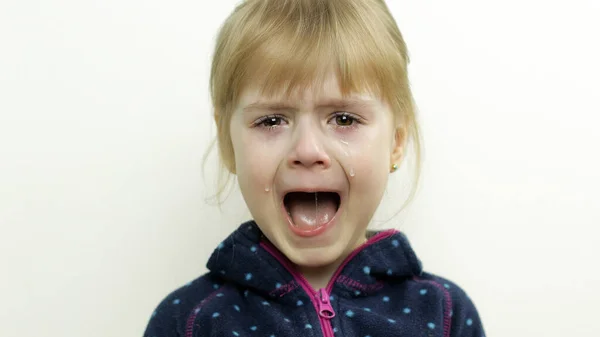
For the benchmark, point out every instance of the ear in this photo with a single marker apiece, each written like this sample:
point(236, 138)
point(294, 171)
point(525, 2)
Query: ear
point(398, 145)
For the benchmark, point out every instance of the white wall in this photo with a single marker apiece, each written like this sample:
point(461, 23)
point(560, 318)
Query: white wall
point(104, 117)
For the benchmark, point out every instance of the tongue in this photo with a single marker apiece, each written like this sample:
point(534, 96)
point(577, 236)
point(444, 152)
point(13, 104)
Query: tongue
point(309, 210)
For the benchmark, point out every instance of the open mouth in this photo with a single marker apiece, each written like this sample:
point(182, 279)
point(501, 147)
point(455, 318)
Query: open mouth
point(310, 210)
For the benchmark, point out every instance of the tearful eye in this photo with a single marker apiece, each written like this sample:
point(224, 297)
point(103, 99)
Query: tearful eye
point(344, 120)
point(271, 121)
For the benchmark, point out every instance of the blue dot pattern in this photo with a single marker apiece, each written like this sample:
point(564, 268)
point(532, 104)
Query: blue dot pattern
point(381, 291)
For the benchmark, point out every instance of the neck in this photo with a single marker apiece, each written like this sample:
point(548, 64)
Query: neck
point(319, 276)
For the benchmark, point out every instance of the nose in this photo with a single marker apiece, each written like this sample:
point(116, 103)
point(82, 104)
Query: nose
point(307, 149)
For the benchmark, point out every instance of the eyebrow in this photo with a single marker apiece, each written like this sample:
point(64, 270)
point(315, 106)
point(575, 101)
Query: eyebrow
point(279, 106)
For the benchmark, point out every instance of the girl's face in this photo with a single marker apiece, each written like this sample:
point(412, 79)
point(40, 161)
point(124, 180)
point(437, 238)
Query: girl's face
point(313, 168)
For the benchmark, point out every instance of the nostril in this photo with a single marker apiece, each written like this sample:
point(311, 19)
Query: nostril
point(300, 163)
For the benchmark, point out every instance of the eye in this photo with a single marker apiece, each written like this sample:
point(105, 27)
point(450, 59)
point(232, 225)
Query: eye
point(345, 119)
point(269, 122)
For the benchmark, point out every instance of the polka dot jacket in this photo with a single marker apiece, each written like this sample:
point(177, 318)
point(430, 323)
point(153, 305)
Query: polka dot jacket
point(251, 289)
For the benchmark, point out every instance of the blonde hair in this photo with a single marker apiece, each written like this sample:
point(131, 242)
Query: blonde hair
point(281, 46)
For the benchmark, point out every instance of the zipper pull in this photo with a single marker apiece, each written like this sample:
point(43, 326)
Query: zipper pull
point(325, 308)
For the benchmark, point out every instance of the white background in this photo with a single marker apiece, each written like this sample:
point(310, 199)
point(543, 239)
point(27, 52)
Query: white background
point(105, 116)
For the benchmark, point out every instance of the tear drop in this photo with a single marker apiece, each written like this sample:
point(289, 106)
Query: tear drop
point(352, 173)
point(267, 189)
point(345, 148)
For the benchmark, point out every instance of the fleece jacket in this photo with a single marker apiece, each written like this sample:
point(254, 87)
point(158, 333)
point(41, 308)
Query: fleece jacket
point(252, 290)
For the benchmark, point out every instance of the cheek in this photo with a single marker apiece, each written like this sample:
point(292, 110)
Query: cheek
point(256, 159)
point(367, 153)
point(371, 171)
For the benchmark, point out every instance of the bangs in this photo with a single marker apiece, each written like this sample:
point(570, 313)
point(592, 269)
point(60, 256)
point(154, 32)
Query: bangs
point(296, 45)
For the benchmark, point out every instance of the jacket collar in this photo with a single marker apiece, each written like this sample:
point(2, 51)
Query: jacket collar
point(247, 259)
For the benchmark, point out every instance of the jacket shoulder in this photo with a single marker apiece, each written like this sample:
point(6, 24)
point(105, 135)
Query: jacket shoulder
point(171, 314)
point(463, 318)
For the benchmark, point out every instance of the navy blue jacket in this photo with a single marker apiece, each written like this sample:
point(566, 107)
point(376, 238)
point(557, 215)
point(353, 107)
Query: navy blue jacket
point(252, 289)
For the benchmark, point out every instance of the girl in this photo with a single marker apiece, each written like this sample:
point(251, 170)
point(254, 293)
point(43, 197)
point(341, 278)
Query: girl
point(313, 111)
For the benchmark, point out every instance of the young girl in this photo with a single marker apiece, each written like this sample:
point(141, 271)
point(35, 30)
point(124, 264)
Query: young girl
point(313, 110)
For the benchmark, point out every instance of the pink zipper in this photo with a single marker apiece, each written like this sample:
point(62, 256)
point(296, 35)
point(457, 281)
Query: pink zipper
point(326, 312)
point(320, 298)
